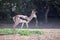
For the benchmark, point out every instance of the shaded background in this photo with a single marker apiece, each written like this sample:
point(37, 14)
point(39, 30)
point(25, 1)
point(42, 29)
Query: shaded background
point(48, 12)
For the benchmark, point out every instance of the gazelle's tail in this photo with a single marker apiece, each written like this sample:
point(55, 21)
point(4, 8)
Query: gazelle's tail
point(14, 18)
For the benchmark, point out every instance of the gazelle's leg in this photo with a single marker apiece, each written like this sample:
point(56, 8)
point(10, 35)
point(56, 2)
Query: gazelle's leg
point(14, 26)
point(22, 25)
point(27, 25)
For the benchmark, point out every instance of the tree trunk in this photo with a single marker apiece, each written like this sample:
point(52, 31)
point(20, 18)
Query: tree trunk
point(46, 15)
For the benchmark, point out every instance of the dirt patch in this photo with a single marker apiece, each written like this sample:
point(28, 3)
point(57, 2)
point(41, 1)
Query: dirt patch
point(50, 34)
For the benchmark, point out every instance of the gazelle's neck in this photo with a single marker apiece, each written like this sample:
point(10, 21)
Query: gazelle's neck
point(30, 18)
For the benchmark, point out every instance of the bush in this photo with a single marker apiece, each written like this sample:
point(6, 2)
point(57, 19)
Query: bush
point(21, 32)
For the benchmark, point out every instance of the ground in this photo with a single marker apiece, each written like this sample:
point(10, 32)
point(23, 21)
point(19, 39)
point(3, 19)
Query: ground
point(49, 34)
point(51, 29)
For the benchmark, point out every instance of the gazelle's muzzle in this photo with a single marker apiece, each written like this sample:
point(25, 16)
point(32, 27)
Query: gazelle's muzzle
point(35, 17)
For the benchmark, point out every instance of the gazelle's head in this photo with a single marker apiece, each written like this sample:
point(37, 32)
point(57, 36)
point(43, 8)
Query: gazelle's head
point(34, 14)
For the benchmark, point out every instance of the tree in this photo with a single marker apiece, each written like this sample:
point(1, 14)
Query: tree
point(22, 7)
point(55, 3)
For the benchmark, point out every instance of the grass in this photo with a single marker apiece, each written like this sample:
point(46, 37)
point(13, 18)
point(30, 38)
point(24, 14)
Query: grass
point(7, 31)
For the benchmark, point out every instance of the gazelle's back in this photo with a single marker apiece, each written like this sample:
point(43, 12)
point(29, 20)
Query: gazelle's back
point(19, 18)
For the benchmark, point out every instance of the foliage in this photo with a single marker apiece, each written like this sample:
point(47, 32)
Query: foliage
point(22, 7)
point(21, 32)
point(25, 6)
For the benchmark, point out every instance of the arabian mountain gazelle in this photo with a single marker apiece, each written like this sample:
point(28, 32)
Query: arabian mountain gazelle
point(23, 19)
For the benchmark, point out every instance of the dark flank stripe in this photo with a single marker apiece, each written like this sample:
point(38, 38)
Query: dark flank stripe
point(23, 18)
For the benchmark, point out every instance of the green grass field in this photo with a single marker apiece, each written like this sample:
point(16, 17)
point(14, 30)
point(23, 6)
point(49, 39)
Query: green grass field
point(7, 31)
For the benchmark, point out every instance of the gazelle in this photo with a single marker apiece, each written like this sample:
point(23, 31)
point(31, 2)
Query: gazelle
point(23, 19)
